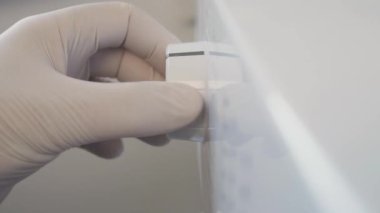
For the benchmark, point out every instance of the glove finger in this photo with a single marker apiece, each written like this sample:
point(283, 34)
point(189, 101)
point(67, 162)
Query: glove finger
point(106, 149)
point(74, 34)
point(102, 111)
point(148, 40)
point(126, 67)
point(158, 140)
point(123, 65)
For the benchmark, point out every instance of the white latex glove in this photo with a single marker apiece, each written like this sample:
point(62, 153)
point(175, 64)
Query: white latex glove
point(45, 109)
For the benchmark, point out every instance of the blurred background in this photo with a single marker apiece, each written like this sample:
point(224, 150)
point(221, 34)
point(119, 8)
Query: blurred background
point(144, 179)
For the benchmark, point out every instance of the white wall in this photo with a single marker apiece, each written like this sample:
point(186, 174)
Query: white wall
point(144, 179)
point(300, 131)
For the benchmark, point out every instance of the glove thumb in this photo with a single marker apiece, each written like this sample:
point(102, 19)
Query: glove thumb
point(143, 109)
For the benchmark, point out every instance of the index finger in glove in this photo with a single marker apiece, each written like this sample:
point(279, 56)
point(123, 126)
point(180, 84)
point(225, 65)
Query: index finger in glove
point(85, 29)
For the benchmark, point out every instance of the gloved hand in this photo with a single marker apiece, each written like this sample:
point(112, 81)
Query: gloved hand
point(45, 109)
